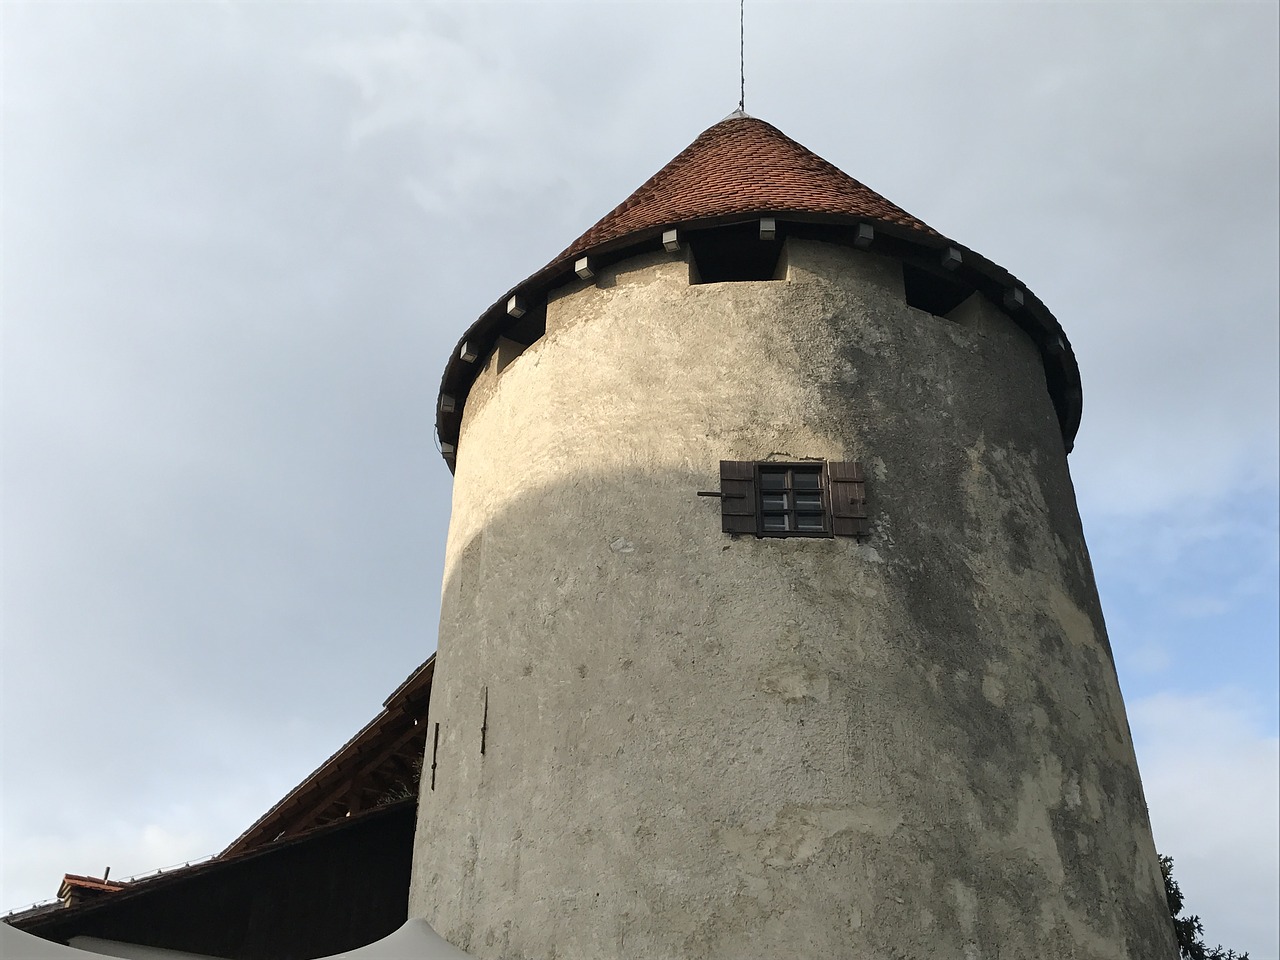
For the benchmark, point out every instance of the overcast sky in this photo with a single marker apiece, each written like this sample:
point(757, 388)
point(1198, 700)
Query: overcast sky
point(240, 240)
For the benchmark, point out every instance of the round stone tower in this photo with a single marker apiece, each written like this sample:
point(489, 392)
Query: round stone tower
point(768, 627)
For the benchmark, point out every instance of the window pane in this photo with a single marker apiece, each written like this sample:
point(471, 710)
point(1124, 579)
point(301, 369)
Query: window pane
point(774, 501)
point(775, 521)
point(772, 480)
point(809, 521)
point(808, 501)
point(805, 480)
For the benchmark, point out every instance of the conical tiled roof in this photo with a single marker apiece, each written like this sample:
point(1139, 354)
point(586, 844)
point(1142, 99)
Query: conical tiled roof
point(742, 165)
point(736, 170)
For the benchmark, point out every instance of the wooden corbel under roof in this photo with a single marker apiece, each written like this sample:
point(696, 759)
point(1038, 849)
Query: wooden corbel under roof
point(381, 764)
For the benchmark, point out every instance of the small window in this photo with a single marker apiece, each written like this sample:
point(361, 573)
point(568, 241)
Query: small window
point(813, 499)
point(734, 254)
point(932, 290)
point(791, 501)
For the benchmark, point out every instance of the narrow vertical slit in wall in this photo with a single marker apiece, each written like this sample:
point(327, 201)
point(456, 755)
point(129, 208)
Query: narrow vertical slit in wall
point(435, 749)
point(484, 722)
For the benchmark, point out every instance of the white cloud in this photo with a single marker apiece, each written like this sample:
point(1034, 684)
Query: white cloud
point(475, 123)
point(1212, 777)
point(1204, 560)
point(1148, 657)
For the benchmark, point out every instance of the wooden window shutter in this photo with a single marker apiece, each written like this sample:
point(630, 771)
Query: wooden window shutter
point(848, 493)
point(738, 496)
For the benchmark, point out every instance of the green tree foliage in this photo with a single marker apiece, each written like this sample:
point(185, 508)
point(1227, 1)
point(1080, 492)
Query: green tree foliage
point(1189, 929)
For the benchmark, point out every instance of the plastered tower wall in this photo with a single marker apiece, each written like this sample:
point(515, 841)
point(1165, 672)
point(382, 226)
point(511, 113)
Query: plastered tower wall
point(657, 740)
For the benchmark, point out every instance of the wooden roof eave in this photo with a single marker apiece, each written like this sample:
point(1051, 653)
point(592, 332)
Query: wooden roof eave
point(144, 886)
point(311, 798)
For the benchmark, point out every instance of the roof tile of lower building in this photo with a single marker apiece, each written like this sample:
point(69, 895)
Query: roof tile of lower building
point(75, 880)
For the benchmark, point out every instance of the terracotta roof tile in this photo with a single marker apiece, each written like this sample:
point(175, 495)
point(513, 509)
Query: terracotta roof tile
point(742, 165)
point(76, 887)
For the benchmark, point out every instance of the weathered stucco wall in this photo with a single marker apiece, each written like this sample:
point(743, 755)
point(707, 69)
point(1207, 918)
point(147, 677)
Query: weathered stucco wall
point(697, 745)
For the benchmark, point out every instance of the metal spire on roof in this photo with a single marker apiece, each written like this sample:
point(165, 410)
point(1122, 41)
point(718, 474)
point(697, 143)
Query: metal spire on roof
point(742, 66)
point(742, 57)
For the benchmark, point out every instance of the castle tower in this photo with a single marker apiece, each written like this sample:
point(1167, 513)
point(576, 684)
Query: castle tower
point(858, 701)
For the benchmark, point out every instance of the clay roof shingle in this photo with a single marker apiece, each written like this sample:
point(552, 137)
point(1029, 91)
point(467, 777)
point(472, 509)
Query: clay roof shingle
point(76, 881)
point(742, 165)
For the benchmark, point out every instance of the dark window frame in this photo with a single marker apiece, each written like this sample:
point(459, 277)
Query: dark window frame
point(841, 487)
point(789, 490)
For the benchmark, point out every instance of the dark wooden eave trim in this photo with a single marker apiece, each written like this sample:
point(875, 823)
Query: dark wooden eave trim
point(36, 923)
point(308, 804)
